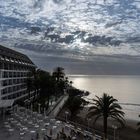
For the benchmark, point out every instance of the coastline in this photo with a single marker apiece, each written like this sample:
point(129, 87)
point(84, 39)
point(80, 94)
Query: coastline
point(124, 88)
point(130, 122)
point(130, 128)
point(128, 132)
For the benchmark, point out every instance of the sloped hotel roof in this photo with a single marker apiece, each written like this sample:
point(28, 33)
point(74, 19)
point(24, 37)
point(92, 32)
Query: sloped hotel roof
point(14, 56)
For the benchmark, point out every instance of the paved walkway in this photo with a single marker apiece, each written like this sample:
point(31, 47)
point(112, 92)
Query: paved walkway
point(58, 106)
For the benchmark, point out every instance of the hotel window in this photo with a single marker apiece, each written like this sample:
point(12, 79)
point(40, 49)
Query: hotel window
point(1, 66)
point(5, 83)
point(14, 81)
point(6, 66)
point(14, 88)
point(10, 74)
point(5, 74)
point(14, 74)
point(4, 91)
point(4, 98)
point(10, 82)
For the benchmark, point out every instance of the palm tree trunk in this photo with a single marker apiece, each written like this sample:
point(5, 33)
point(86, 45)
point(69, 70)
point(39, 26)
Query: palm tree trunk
point(105, 127)
point(48, 100)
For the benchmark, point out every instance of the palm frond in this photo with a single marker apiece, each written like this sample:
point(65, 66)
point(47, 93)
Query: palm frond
point(115, 105)
point(112, 100)
point(115, 111)
point(96, 118)
point(93, 113)
point(119, 119)
point(92, 108)
point(138, 124)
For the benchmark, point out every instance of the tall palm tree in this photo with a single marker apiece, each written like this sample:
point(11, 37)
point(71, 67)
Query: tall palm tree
point(138, 124)
point(37, 80)
point(47, 87)
point(106, 106)
point(59, 76)
point(58, 73)
point(29, 83)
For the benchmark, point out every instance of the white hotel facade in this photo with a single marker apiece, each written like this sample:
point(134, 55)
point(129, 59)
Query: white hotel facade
point(14, 67)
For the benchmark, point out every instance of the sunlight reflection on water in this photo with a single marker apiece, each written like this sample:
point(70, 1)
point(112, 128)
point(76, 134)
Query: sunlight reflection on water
point(124, 88)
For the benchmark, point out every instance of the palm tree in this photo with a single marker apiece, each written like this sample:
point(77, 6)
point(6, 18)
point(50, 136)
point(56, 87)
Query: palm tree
point(106, 106)
point(29, 83)
point(37, 81)
point(58, 73)
point(138, 124)
point(47, 87)
point(59, 76)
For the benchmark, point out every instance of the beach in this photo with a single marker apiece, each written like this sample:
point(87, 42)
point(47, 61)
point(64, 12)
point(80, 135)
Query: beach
point(128, 132)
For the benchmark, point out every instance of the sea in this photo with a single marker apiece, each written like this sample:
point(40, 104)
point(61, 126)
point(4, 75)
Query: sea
point(125, 88)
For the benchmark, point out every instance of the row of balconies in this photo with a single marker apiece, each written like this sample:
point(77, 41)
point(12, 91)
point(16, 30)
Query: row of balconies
point(7, 66)
point(13, 82)
point(6, 74)
point(15, 95)
point(12, 89)
point(22, 70)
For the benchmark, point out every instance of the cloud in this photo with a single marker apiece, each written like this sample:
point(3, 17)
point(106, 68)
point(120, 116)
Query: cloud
point(72, 27)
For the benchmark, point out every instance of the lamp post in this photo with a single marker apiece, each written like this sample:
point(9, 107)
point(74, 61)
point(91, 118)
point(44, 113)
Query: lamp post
point(114, 127)
point(26, 102)
point(44, 112)
point(66, 113)
point(31, 109)
point(39, 108)
point(88, 120)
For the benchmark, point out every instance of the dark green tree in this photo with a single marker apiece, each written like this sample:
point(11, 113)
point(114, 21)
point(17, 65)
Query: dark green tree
point(75, 102)
point(59, 76)
point(58, 73)
point(29, 83)
point(106, 106)
point(36, 81)
point(47, 87)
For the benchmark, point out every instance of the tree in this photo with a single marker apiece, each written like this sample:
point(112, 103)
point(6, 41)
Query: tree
point(46, 87)
point(33, 81)
point(29, 83)
point(59, 76)
point(106, 107)
point(138, 124)
point(58, 73)
point(36, 82)
point(75, 102)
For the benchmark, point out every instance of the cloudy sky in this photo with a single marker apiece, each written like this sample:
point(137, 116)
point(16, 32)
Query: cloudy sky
point(83, 36)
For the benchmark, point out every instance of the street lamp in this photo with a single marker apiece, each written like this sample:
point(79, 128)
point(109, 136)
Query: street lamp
point(88, 120)
point(66, 113)
point(114, 127)
point(31, 109)
point(39, 108)
point(44, 111)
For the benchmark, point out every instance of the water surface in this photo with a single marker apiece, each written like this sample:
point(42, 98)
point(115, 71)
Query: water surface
point(124, 88)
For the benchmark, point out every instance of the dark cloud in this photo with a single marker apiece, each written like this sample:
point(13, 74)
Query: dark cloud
point(102, 65)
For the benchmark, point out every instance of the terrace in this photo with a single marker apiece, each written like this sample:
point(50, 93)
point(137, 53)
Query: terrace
point(25, 124)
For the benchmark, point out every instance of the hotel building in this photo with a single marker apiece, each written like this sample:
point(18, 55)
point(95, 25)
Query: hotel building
point(14, 67)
